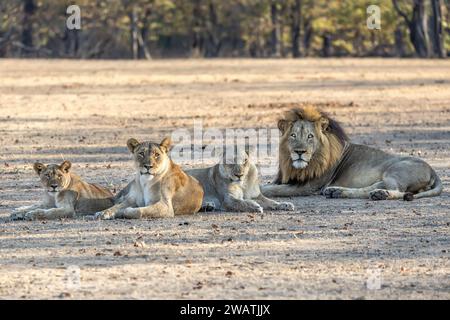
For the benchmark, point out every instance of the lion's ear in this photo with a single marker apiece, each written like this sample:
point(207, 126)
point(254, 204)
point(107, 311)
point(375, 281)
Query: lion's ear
point(166, 144)
point(39, 167)
point(282, 125)
point(65, 166)
point(132, 144)
point(324, 123)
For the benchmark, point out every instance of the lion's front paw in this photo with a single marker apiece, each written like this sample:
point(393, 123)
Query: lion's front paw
point(332, 192)
point(208, 206)
point(254, 207)
point(35, 215)
point(286, 206)
point(379, 194)
point(22, 209)
point(17, 216)
point(104, 215)
point(259, 210)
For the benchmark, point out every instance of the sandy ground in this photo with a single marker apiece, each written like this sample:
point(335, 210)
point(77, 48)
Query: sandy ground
point(337, 249)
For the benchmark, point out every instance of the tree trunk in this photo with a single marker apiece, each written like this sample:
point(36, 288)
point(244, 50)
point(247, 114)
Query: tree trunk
point(399, 44)
point(418, 33)
point(358, 42)
point(214, 42)
point(296, 27)
point(29, 9)
point(197, 41)
point(276, 30)
point(436, 33)
point(71, 42)
point(134, 34)
point(307, 36)
point(144, 52)
point(326, 46)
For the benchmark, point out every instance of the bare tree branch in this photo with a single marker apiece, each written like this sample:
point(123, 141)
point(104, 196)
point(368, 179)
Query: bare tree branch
point(400, 12)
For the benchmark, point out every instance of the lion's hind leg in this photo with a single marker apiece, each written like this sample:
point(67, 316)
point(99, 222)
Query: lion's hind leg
point(352, 193)
point(399, 183)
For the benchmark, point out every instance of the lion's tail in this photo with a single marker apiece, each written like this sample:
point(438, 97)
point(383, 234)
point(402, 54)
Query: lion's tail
point(436, 189)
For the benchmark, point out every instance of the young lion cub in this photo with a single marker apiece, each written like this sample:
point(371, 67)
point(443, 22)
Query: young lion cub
point(235, 186)
point(160, 188)
point(66, 195)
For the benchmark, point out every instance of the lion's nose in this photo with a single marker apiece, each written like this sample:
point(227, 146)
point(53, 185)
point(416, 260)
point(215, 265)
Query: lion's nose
point(147, 166)
point(239, 175)
point(54, 186)
point(300, 151)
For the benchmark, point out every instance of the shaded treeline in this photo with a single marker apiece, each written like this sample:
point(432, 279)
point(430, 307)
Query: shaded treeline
point(143, 29)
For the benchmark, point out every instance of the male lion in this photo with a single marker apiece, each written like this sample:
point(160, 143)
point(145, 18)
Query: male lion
point(233, 185)
point(316, 155)
point(160, 188)
point(66, 195)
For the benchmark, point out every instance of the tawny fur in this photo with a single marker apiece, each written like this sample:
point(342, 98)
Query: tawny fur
point(325, 161)
point(160, 188)
point(235, 187)
point(66, 195)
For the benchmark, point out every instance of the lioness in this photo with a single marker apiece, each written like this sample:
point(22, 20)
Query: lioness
point(66, 195)
point(160, 188)
point(315, 155)
point(233, 185)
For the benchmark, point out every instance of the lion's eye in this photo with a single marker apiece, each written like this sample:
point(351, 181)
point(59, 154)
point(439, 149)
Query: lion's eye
point(142, 154)
point(293, 135)
point(157, 155)
point(310, 136)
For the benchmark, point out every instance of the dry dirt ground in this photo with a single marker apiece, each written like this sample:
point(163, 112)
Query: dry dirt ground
point(85, 111)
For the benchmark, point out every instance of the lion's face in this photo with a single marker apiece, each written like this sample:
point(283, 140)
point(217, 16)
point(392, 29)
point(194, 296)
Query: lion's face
point(54, 177)
point(303, 143)
point(310, 144)
point(150, 159)
point(303, 139)
point(235, 167)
